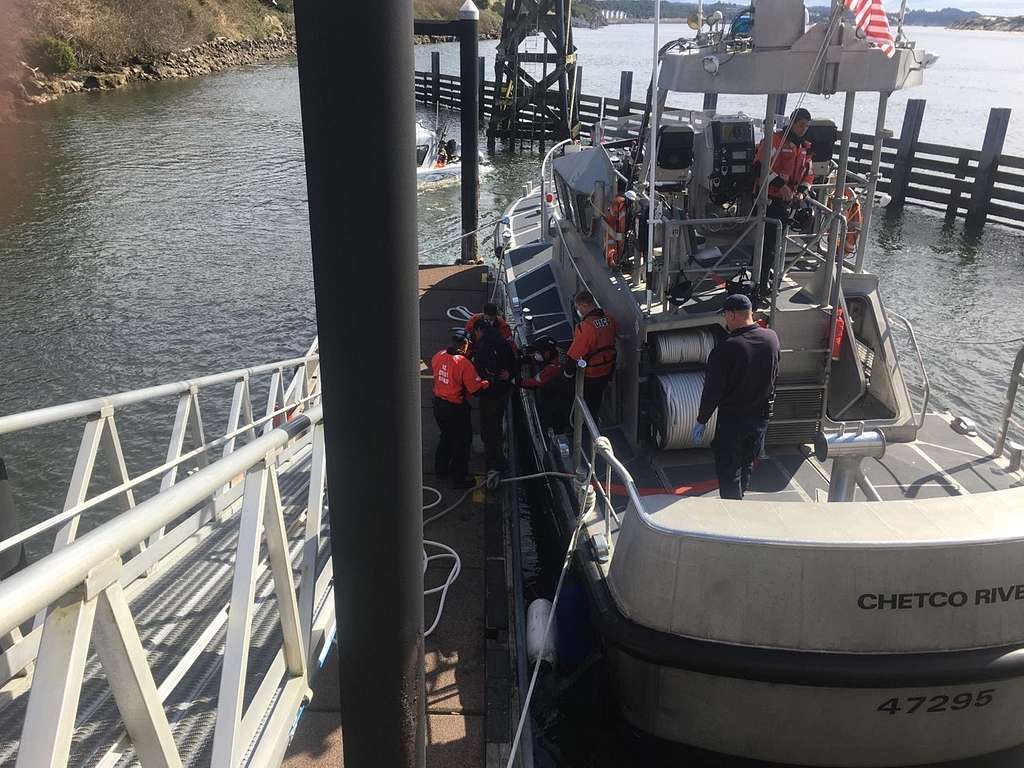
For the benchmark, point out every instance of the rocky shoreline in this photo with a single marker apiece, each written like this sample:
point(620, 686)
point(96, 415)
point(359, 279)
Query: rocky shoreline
point(35, 87)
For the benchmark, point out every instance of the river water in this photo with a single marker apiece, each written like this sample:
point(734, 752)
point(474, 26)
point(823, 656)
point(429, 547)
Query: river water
point(160, 232)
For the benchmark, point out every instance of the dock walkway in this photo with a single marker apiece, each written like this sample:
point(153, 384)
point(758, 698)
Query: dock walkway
point(468, 678)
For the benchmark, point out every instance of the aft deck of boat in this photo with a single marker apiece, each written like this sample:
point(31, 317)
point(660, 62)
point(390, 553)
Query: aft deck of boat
point(942, 462)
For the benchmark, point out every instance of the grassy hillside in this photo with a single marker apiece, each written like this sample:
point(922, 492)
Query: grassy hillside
point(98, 32)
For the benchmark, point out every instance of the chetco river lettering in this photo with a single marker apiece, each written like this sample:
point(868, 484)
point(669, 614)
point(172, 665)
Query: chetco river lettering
point(902, 601)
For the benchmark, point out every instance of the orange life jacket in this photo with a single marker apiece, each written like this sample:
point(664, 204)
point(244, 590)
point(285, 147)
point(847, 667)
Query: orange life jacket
point(615, 231)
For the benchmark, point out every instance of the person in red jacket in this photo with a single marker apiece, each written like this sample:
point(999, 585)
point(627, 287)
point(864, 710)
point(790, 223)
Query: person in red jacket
point(789, 182)
point(455, 380)
point(553, 390)
point(490, 316)
point(593, 342)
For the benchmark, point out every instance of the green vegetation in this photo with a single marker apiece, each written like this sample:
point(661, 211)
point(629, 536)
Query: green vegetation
point(55, 57)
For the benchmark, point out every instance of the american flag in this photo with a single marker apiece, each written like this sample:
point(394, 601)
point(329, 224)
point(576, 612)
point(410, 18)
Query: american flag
point(870, 17)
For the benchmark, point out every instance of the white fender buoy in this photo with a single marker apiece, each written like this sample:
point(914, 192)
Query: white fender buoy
point(537, 648)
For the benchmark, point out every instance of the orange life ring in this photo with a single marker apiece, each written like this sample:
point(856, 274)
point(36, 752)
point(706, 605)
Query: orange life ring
point(854, 220)
point(615, 231)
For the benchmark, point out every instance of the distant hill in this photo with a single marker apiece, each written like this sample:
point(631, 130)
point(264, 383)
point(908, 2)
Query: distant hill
point(644, 9)
point(991, 23)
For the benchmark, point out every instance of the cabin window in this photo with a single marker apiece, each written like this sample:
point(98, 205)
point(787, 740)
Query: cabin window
point(421, 153)
point(584, 213)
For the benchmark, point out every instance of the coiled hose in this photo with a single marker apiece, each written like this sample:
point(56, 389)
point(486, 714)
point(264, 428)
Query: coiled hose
point(692, 346)
point(678, 397)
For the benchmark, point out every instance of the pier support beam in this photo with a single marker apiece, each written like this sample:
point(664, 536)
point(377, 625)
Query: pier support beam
point(363, 238)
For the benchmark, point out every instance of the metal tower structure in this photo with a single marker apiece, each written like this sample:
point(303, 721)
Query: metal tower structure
point(526, 106)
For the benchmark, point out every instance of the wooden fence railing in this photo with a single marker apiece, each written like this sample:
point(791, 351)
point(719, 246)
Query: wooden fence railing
point(977, 185)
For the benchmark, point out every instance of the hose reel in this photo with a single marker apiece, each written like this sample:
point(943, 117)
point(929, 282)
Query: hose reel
point(691, 346)
point(677, 403)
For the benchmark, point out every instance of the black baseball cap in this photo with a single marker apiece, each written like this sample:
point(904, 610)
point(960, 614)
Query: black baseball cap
point(737, 302)
point(459, 335)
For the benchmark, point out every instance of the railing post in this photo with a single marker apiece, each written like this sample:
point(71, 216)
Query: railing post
point(1011, 396)
point(577, 425)
point(876, 160)
point(991, 149)
point(905, 152)
point(435, 77)
point(625, 92)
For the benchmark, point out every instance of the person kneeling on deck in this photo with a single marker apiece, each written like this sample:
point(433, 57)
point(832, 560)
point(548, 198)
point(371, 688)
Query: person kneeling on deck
point(740, 382)
point(455, 379)
point(552, 388)
point(495, 362)
point(789, 182)
point(593, 342)
point(490, 316)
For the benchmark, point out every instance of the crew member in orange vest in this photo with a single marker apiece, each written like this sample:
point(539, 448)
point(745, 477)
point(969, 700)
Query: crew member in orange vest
point(455, 380)
point(788, 183)
point(594, 342)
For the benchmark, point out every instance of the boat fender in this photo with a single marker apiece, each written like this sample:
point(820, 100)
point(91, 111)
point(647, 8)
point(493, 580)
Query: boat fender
point(837, 337)
point(539, 649)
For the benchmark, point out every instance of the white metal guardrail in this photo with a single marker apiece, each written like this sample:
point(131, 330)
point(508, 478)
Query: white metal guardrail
point(86, 590)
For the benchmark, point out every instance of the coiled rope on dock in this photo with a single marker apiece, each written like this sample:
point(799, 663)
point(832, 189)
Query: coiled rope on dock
point(691, 346)
point(679, 402)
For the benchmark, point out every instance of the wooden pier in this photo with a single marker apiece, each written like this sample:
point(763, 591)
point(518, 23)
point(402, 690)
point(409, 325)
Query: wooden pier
point(976, 185)
point(469, 658)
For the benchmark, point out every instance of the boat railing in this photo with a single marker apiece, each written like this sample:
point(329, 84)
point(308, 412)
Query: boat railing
point(922, 370)
point(600, 448)
point(547, 178)
point(1006, 419)
point(84, 590)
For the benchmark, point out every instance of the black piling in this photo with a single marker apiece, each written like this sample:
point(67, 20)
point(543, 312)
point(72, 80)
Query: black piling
point(625, 92)
point(363, 238)
point(903, 166)
point(469, 84)
point(988, 165)
point(435, 77)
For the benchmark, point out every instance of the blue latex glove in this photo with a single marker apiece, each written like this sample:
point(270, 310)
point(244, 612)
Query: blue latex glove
point(697, 436)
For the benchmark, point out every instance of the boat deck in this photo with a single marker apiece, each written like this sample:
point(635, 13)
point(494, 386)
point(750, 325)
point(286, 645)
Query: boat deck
point(468, 682)
point(942, 462)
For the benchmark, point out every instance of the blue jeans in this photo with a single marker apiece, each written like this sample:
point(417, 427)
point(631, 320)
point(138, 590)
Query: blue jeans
point(737, 443)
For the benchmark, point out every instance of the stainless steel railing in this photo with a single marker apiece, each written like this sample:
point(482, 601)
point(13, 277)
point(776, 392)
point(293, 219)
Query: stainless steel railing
point(1006, 419)
point(925, 384)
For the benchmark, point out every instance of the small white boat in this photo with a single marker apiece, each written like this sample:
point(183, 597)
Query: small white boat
point(436, 159)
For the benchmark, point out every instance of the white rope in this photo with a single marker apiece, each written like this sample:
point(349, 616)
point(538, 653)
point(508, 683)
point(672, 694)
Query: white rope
point(492, 481)
point(692, 346)
point(460, 314)
point(679, 397)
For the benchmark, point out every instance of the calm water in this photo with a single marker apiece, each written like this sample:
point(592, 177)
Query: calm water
point(160, 232)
